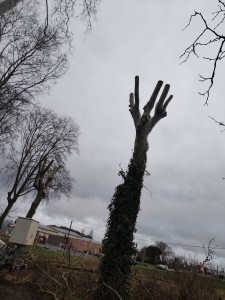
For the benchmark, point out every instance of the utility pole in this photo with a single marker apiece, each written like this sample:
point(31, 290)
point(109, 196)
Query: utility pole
point(67, 245)
point(67, 239)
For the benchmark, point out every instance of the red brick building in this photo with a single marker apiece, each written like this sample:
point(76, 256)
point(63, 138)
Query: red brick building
point(57, 237)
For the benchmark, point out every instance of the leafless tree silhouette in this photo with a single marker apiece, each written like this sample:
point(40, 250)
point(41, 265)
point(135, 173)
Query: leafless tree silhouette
point(32, 161)
point(35, 43)
point(210, 35)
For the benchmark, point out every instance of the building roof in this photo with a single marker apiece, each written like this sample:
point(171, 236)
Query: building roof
point(66, 231)
point(47, 227)
point(55, 229)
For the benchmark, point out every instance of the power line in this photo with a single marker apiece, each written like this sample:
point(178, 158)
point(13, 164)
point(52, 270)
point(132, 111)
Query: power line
point(182, 245)
point(83, 225)
point(146, 240)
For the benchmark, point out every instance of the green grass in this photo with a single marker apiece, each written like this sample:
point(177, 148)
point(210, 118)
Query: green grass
point(4, 238)
point(154, 279)
point(219, 284)
point(47, 254)
point(41, 251)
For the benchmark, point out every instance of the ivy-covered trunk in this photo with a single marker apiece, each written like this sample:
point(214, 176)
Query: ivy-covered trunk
point(118, 244)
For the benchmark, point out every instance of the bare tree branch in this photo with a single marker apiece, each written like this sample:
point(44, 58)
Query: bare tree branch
point(220, 123)
point(42, 137)
point(214, 37)
point(35, 43)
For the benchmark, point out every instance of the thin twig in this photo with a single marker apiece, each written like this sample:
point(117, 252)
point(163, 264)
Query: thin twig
point(192, 49)
point(109, 287)
point(141, 282)
point(45, 291)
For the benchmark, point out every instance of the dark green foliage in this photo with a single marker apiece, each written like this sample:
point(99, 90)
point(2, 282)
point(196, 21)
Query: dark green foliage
point(152, 255)
point(118, 245)
point(139, 259)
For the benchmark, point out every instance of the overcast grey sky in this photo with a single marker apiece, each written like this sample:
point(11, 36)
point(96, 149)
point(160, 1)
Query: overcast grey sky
point(183, 202)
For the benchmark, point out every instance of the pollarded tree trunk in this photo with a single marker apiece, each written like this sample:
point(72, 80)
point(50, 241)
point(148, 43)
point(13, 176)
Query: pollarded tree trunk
point(118, 243)
point(34, 205)
point(41, 184)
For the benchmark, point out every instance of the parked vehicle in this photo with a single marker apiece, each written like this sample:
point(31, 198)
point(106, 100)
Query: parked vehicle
point(46, 246)
point(162, 267)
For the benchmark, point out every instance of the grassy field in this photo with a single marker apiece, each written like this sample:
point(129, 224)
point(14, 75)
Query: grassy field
point(58, 276)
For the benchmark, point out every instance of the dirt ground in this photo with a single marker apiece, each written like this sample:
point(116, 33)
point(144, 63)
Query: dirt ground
point(52, 276)
point(14, 286)
point(13, 291)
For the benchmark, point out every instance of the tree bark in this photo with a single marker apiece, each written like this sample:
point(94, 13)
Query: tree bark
point(41, 184)
point(34, 205)
point(118, 244)
point(6, 212)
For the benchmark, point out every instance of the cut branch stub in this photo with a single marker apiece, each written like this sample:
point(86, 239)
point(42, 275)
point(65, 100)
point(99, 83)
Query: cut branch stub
point(160, 107)
point(144, 123)
point(134, 103)
point(136, 93)
point(149, 106)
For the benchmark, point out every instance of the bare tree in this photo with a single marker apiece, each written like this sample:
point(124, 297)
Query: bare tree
point(141, 253)
point(35, 43)
point(210, 255)
point(31, 59)
point(211, 34)
point(86, 8)
point(51, 181)
point(42, 136)
point(63, 10)
point(118, 244)
point(91, 233)
point(167, 252)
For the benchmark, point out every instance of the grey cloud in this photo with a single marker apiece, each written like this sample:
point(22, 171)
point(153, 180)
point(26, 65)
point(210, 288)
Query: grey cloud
point(186, 155)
